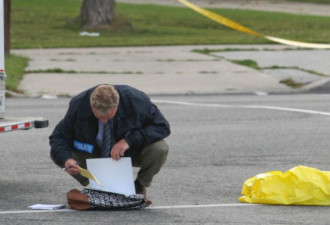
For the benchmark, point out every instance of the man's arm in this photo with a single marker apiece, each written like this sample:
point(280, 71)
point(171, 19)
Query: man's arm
point(61, 141)
point(155, 127)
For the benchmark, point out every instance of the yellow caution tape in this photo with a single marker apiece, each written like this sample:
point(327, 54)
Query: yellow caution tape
point(236, 26)
point(88, 174)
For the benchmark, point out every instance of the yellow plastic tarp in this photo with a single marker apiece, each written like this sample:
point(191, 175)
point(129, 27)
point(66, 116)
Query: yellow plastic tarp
point(300, 185)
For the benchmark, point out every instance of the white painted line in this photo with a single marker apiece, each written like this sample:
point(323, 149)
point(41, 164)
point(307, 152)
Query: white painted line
point(244, 106)
point(34, 211)
point(149, 208)
point(201, 206)
point(289, 109)
point(190, 103)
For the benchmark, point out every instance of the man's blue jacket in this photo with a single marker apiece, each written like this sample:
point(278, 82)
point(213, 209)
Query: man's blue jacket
point(137, 120)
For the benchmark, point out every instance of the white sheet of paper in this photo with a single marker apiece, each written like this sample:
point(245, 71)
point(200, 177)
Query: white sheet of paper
point(116, 176)
point(46, 206)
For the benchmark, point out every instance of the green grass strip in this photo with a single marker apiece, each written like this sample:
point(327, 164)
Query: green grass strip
point(15, 66)
point(51, 24)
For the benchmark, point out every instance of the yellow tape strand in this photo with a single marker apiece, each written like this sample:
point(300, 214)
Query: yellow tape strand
point(297, 43)
point(236, 26)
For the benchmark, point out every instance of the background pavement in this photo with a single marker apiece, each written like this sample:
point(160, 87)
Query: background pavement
point(215, 145)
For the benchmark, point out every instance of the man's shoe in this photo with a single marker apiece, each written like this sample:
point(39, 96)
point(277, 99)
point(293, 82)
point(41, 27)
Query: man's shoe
point(140, 189)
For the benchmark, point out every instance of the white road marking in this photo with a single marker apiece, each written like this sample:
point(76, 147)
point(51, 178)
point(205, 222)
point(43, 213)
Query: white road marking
point(244, 106)
point(201, 206)
point(33, 211)
point(149, 208)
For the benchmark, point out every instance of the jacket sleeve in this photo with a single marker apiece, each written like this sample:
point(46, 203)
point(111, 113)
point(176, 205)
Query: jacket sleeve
point(154, 126)
point(61, 140)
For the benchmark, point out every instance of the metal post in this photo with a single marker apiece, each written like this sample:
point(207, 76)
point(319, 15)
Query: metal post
point(7, 11)
point(2, 62)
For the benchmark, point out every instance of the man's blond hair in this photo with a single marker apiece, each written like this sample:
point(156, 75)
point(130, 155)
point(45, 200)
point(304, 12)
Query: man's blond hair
point(104, 98)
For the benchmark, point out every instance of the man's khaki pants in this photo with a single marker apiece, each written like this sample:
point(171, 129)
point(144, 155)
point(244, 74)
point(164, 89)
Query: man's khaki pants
point(150, 161)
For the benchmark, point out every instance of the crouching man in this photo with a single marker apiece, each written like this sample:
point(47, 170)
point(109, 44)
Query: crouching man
point(111, 121)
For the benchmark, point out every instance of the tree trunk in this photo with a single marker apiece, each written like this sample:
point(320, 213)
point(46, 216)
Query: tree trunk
point(95, 13)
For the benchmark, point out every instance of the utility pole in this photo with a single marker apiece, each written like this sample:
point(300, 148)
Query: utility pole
point(7, 10)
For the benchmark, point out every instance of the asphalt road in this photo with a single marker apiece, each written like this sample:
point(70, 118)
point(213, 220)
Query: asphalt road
point(217, 142)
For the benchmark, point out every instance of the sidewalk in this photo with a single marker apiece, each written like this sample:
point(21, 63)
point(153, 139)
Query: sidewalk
point(171, 69)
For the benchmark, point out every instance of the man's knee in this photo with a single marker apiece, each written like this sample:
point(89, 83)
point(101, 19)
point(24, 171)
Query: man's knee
point(157, 151)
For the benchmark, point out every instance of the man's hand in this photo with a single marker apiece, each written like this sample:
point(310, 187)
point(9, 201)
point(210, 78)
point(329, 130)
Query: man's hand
point(119, 149)
point(71, 167)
